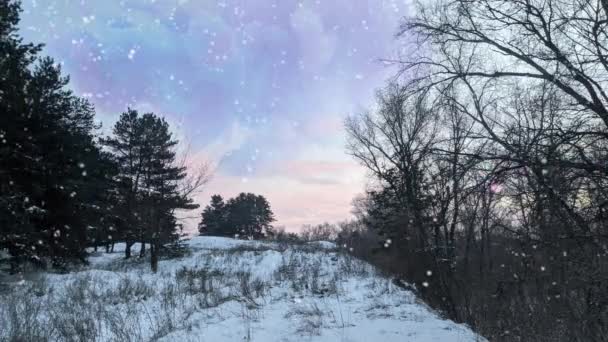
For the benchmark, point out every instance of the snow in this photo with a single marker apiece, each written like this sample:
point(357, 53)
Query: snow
point(230, 290)
point(324, 244)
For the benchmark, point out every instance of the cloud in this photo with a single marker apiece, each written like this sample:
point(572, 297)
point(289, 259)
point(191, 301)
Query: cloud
point(260, 88)
point(317, 46)
point(294, 203)
point(321, 172)
point(229, 141)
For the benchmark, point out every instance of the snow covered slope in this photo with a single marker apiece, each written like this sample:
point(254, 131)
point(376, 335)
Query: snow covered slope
point(225, 290)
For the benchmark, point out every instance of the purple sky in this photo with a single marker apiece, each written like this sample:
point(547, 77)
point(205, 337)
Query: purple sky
point(259, 88)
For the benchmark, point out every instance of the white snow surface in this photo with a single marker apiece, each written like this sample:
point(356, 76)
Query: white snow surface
point(235, 290)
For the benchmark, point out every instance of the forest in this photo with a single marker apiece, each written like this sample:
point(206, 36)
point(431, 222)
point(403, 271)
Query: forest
point(488, 164)
point(63, 186)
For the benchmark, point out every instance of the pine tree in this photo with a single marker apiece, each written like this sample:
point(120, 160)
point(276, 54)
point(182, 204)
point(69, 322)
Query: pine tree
point(47, 146)
point(162, 178)
point(107, 216)
point(145, 153)
point(213, 220)
point(247, 215)
point(126, 145)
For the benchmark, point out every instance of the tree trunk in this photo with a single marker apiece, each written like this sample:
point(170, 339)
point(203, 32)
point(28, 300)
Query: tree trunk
point(154, 255)
point(128, 249)
point(142, 251)
point(470, 238)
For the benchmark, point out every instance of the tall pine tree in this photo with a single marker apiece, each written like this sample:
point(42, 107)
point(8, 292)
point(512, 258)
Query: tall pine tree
point(145, 153)
point(161, 184)
point(47, 149)
point(126, 144)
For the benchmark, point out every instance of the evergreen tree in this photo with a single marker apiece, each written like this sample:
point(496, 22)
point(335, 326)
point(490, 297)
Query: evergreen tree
point(214, 219)
point(47, 148)
point(247, 215)
point(126, 145)
point(145, 152)
point(103, 229)
point(162, 177)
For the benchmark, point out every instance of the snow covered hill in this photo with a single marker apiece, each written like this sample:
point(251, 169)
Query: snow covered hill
point(223, 290)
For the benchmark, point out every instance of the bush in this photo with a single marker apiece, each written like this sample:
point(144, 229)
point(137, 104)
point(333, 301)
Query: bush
point(517, 298)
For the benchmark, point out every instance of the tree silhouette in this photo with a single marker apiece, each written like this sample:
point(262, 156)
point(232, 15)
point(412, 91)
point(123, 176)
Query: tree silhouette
point(49, 184)
point(247, 215)
point(214, 218)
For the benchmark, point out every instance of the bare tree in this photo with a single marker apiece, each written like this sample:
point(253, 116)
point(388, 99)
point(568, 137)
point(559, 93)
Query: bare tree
point(395, 144)
point(493, 149)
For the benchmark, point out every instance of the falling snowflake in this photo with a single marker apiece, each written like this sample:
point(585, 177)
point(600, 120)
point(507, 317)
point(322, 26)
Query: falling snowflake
point(88, 20)
point(131, 54)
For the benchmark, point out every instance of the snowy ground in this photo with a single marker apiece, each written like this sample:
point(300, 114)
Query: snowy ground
point(224, 290)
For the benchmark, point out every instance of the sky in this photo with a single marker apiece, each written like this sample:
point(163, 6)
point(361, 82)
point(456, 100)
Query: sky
point(259, 89)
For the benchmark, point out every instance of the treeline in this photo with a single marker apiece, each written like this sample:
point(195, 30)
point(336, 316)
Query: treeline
point(488, 155)
point(64, 188)
point(249, 216)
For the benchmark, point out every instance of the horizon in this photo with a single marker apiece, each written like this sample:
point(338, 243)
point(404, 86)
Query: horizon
point(258, 89)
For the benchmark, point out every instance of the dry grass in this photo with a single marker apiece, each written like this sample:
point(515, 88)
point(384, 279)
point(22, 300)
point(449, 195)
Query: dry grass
point(133, 307)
